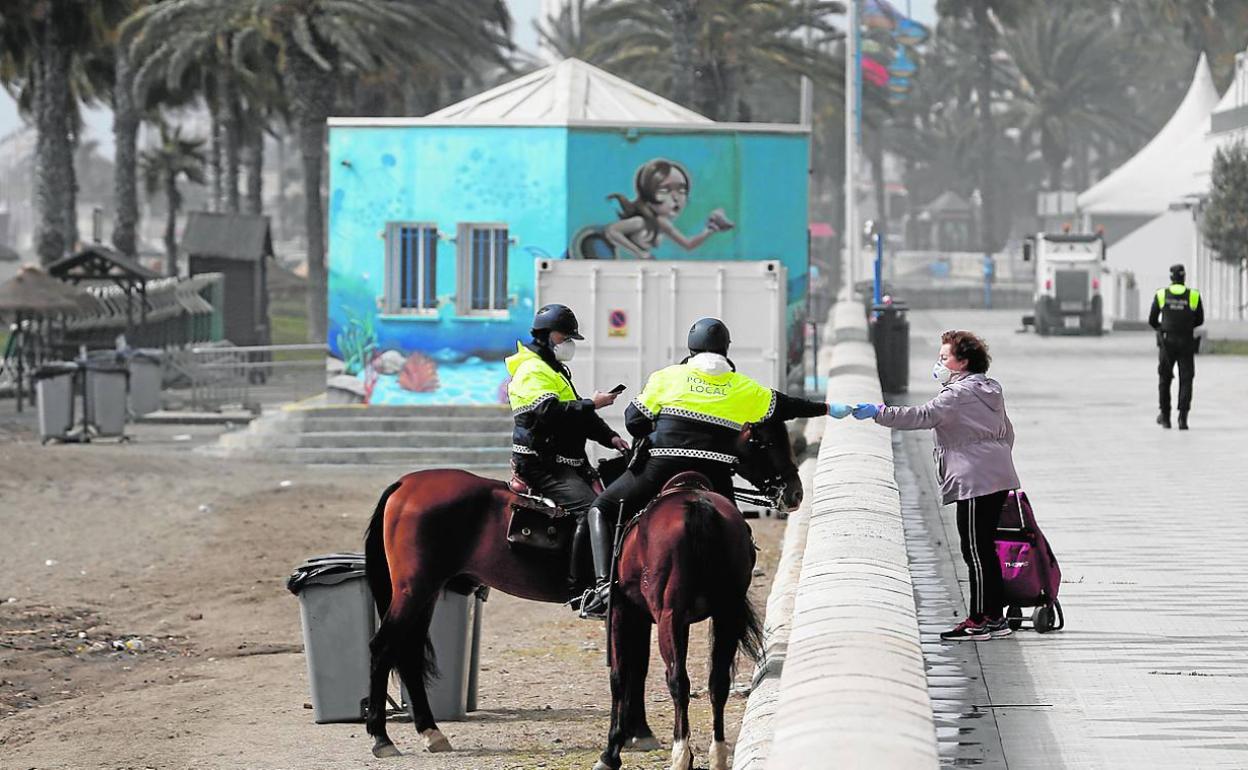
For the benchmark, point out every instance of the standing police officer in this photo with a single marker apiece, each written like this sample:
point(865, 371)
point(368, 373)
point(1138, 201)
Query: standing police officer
point(692, 414)
point(1175, 314)
point(552, 422)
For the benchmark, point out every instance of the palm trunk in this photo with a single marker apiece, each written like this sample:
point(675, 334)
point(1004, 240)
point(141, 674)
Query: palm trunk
point(255, 166)
point(312, 89)
point(987, 129)
point(684, 14)
point(125, 138)
point(215, 138)
point(173, 202)
point(231, 130)
point(54, 181)
point(1054, 159)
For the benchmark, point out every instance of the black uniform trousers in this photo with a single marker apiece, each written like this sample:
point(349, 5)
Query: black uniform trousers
point(569, 487)
point(978, 518)
point(1181, 350)
point(638, 486)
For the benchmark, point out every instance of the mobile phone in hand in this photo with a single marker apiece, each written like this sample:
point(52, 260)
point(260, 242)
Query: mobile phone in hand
point(618, 388)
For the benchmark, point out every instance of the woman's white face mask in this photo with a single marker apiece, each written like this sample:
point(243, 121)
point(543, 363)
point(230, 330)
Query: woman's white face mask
point(565, 351)
point(941, 373)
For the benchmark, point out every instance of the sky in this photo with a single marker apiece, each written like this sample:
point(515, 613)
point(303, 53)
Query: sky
point(99, 122)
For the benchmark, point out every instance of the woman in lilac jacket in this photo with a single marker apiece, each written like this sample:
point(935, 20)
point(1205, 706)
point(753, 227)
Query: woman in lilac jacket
point(974, 439)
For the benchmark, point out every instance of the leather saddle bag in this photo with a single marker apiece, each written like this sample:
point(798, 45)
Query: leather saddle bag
point(536, 526)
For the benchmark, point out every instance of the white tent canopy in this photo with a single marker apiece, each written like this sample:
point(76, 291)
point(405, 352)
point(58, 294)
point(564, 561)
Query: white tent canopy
point(1168, 167)
point(1149, 251)
point(567, 93)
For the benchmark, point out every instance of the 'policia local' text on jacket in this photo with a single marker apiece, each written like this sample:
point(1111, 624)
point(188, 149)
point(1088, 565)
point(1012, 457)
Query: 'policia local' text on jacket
point(697, 409)
point(551, 420)
point(974, 436)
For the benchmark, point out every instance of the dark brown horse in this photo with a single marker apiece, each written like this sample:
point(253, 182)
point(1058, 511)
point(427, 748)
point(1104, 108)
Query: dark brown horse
point(690, 559)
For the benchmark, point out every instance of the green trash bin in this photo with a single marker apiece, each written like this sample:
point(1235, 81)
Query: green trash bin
point(339, 617)
point(890, 335)
point(54, 387)
point(456, 636)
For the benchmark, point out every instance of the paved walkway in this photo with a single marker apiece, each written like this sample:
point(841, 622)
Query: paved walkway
point(1151, 528)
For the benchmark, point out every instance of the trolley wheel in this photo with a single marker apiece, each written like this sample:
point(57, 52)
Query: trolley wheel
point(1015, 617)
point(1042, 619)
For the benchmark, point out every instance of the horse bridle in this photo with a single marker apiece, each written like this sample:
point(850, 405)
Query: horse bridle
point(770, 490)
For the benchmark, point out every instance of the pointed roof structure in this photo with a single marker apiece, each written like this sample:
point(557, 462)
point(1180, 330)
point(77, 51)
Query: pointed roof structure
point(1168, 166)
point(567, 93)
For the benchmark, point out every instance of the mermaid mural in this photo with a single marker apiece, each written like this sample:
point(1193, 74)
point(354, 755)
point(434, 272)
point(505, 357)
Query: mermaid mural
point(661, 192)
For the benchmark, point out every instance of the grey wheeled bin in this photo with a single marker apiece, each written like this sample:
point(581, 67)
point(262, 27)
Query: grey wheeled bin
point(54, 385)
point(105, 389)
point(455, 634)
point(145, 381)
point(338, 616)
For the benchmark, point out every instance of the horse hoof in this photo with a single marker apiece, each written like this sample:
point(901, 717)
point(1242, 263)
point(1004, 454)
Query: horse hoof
point(644, 743)
point(682, 756)
point(435, 741)
point(600, 765)
point(386, 750)
point(719, 756)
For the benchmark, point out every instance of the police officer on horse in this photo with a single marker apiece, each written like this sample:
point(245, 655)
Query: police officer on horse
point(1175, 313)
point(690, 416)
point(552, 423)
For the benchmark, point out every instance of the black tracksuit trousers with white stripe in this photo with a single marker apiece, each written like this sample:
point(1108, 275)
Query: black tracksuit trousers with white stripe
point(977, 528)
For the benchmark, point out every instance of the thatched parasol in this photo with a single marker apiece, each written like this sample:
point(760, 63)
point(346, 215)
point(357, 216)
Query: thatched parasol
point(34, 295)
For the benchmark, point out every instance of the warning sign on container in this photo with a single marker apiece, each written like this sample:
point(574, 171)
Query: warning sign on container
point(617, 324)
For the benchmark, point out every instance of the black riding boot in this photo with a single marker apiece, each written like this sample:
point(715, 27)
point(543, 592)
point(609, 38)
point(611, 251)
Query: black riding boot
point(580, 542)
point(601, 538)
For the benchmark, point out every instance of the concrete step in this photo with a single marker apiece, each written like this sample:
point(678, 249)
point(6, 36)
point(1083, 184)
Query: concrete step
point(318, 424)
point(434, 457)
point(384, 440)
point(486, 410)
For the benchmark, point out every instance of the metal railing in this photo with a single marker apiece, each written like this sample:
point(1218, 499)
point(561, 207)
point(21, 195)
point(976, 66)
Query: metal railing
point(220, 376)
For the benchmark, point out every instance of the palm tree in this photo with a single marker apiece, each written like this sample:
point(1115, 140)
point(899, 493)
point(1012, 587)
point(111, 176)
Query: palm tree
point(716, 48)
point(318, 45)
point(44, 47)
point(164, 166)
point(322, 41)
point(986, 18)
point(1070, 85)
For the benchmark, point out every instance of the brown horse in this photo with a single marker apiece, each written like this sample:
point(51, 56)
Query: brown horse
point(433, 527)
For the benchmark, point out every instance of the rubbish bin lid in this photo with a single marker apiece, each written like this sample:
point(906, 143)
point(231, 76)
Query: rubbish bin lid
point(105, 365)
point(326, 570)
point(155, 355)
point(896, 306)
point(55, 369)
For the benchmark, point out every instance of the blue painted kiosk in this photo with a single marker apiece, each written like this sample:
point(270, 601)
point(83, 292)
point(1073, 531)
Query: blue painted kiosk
point(435, 223)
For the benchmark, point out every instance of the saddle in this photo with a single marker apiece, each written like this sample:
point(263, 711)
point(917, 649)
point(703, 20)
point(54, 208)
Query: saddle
point(536, 524)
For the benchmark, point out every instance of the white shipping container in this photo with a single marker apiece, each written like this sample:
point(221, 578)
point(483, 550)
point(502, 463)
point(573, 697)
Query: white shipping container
point(635, 317)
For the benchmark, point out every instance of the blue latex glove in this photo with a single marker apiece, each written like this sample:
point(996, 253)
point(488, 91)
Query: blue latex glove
point(865, 411)
point(839, 411)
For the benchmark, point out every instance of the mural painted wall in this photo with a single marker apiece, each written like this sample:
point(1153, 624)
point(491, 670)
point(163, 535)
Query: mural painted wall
point(420, 336)
point(443, 176)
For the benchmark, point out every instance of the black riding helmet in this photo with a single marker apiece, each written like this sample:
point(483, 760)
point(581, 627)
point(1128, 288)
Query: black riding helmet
point(709, 335)
point(556, 318)
point(1178, 274)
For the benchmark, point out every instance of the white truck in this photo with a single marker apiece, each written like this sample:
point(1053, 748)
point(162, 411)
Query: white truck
point(636, 315)
point(1069, 269)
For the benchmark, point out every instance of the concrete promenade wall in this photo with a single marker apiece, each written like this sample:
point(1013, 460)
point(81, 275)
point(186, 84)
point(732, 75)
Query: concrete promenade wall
point(850, 689)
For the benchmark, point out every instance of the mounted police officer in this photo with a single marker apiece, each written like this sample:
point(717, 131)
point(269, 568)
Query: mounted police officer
point(552, 423)
point(690, 415)
point(1175, 313)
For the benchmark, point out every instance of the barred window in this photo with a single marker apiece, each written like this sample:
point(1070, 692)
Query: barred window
point(411, 267)
point(482, 268)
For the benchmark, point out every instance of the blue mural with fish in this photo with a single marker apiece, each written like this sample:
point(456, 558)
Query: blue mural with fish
point(434, 230)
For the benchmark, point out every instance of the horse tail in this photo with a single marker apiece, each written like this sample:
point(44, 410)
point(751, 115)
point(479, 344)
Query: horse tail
point(376, 568)
point(732, 612)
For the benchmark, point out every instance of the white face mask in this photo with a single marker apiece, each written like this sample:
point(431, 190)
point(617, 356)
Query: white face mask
point(565, 351)
point(941, 373)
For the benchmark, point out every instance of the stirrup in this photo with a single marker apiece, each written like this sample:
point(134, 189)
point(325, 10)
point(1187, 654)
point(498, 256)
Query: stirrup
point(592, 604)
